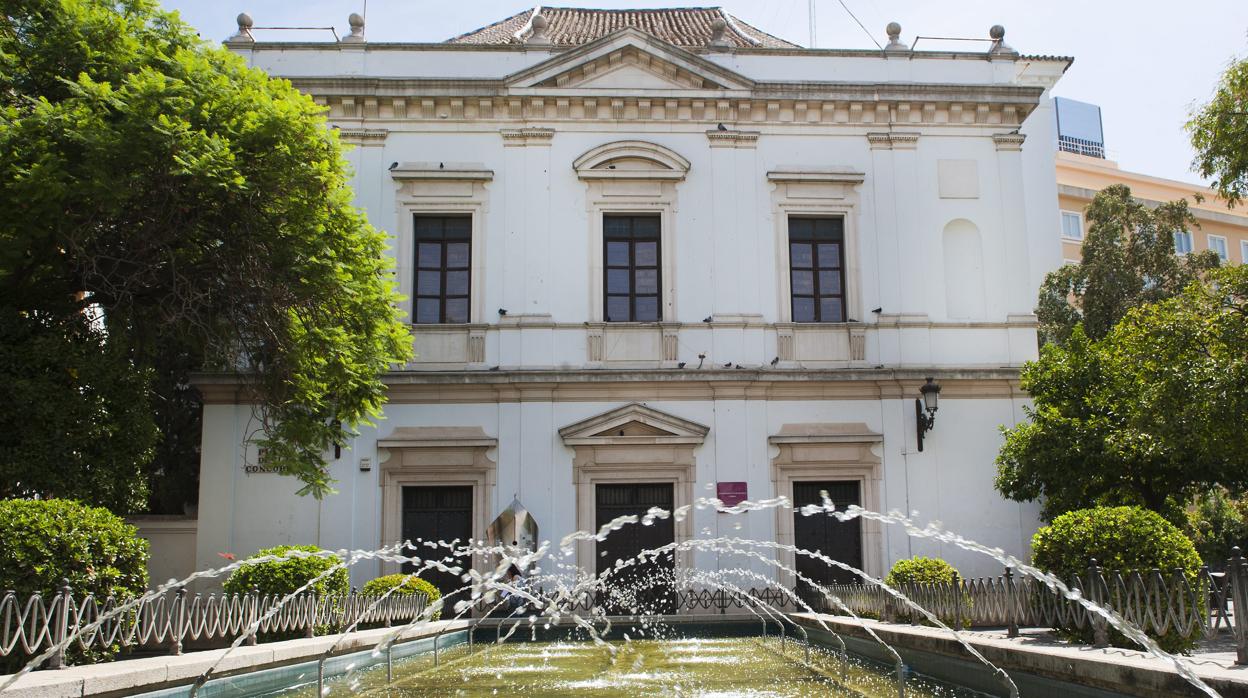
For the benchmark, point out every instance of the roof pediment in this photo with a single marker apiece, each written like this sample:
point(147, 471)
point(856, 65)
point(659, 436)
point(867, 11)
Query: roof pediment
point(629, 60)
point(633, 424)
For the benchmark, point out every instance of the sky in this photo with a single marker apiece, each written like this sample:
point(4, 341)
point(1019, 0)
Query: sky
point(1147, 63)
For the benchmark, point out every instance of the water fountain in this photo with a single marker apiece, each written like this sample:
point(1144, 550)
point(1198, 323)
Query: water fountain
point(555, 611)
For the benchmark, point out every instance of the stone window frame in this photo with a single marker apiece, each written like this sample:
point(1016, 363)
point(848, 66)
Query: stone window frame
point(631, 191)
point(830, 452)
point(642, 458)
point(817, 193)
point(432, 189)
point(435, 456)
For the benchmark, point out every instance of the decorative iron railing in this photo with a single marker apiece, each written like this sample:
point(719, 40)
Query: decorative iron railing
point(1195, 607)
point(170, 622)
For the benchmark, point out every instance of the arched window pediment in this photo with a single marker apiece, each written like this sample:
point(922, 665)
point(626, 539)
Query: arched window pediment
point(631, 160)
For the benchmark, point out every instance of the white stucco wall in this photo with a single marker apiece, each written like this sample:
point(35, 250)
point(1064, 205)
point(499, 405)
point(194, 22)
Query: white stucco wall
point(923, 160)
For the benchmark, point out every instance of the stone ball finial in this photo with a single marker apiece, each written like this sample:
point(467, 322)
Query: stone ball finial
point(356, 22)
point(244, 29)
point(997, 33)
point(719, 34)
point(538, 37)
point(894, 38)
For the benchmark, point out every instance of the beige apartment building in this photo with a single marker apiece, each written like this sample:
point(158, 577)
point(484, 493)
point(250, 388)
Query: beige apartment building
point(1080, 177)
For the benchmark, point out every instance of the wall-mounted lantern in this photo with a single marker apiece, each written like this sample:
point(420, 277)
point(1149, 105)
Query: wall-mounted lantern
point(925, 408)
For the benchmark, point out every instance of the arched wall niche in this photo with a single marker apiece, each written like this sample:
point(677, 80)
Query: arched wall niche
point(964, 270)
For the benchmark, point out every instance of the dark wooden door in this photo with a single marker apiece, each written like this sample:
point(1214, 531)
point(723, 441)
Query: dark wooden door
point(438, 514)
point(839, 540)
point(647, 587)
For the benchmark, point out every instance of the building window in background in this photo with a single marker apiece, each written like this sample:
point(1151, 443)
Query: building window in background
point(1217, 243)
point(1182, 242)
point(1072, 225)
point(443, 257)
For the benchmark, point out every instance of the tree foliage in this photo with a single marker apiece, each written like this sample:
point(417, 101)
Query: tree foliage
point(1219, 132)
point(1151, 414)
point(1128, 260)
point(203, 210)
point(1217, 523)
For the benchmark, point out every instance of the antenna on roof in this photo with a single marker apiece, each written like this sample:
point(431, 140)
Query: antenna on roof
point(812, 23)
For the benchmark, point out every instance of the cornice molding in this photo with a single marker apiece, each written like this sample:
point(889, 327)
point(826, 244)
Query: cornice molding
point(816, 176)
point(430, 171)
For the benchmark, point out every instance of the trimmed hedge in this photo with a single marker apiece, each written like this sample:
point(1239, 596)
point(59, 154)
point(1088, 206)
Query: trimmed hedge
point(43, 541)
point(1120, 539)
point(921, 570)
point(412, 585)
point(927, 570)
point(282, 577)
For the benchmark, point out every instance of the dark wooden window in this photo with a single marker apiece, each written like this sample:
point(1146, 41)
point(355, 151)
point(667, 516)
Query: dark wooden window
point(632, 280)
point(443, 268)
point(817, 269)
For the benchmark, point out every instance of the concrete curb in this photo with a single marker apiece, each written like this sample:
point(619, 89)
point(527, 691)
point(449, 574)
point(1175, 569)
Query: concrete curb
point(1123, 671)
point(131, 676)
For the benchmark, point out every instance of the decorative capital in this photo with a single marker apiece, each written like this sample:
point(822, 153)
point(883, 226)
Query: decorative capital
point(1008, 141)
point(731, 138)
point(897, 140)
point(520, 137)
point(363, 136)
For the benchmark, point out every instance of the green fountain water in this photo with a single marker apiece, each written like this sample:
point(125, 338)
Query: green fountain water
point(669, 667)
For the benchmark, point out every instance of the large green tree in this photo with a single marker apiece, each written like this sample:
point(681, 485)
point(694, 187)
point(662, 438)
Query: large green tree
point(1219, 132)
point(198, 212)
point(1151, 414)
point(1128, 260)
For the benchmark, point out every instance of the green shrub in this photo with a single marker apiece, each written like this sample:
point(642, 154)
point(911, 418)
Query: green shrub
point(928, 570)
point(45, 541)
point(921, 570)
point(281, 577)
point(1120, 539)
point(413, 585)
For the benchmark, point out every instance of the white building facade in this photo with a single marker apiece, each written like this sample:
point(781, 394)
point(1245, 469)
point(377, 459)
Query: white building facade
point(645, 267)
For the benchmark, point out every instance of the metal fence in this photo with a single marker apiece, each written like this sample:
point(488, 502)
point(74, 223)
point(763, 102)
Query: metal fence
point(1196, 608)
point(170, 622)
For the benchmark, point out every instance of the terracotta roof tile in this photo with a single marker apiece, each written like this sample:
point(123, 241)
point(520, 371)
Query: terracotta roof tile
point(689, 27)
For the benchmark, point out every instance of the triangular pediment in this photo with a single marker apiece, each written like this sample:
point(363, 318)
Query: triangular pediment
point(633, 423)
point(629, 60)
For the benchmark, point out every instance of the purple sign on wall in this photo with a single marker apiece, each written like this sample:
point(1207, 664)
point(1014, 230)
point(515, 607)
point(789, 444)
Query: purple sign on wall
point(731, 493)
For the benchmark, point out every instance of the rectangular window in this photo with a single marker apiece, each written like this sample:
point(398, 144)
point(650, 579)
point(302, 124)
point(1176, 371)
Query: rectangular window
point(817, 269)
point(1217, 243)
point(1182, 242)
point(1243, 251)
point(1072, 226)
point(632, 279)
point(443, 261)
